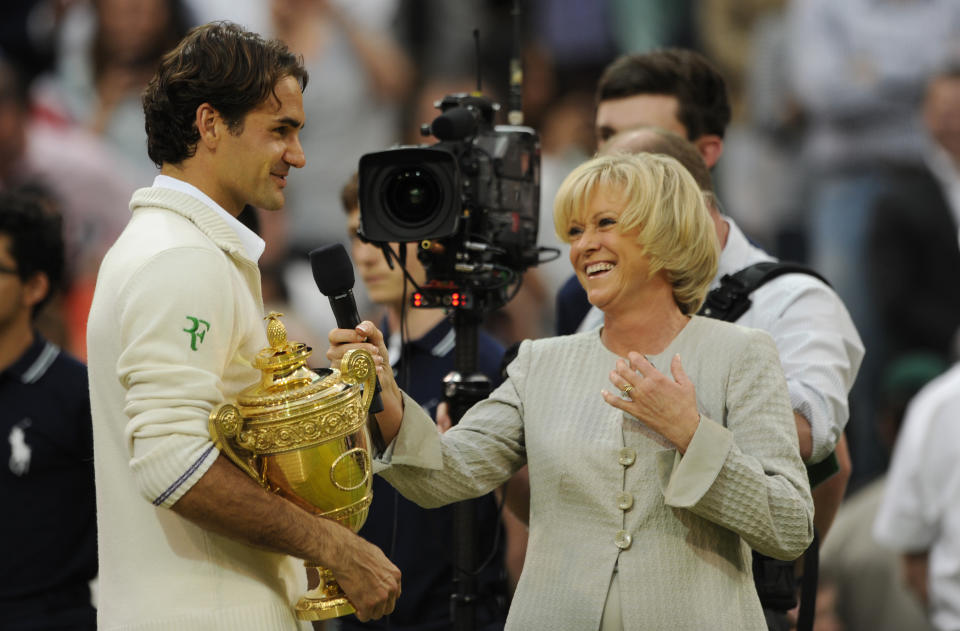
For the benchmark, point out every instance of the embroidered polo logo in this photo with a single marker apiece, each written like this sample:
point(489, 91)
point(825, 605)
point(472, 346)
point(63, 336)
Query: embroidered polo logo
point(200, 328)
point(19, 448)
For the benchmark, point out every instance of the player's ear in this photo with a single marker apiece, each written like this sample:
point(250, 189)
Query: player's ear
point(210, 124)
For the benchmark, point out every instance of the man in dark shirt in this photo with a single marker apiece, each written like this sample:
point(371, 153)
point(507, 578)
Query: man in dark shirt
point(912, 250)
point(48, 535)
point(418, 540)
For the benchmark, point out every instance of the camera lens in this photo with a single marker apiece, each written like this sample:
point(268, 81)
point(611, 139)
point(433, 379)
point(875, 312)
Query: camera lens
point(412, 195)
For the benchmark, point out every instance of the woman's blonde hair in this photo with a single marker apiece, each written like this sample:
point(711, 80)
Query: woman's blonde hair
point(661, 199)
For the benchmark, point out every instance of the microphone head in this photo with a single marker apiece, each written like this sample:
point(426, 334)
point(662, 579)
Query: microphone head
point(332, 269)
point(456, 123)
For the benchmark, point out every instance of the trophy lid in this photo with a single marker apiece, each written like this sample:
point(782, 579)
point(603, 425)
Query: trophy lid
point(287, 387)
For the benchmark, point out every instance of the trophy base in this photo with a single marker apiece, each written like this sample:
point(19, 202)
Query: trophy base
point(325, 600)
point(322, 608)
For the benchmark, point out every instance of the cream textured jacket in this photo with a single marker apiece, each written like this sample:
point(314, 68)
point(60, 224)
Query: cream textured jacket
point(608, 494)
point(176, 318)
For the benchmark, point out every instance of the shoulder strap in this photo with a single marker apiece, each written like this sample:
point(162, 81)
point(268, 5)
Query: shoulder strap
point(808, 585)
point(731, 299)
point(728, 302)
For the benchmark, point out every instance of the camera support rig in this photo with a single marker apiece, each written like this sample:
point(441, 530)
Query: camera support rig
point(472, 202)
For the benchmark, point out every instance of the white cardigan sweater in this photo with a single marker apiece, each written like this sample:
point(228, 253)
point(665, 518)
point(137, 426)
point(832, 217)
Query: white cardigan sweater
point(176, 318)
point(682, 544)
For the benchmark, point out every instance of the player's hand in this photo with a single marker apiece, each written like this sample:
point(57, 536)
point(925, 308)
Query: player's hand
point(368, 578)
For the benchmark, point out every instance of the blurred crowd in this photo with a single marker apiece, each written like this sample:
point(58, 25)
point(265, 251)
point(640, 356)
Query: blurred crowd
point(843, 153)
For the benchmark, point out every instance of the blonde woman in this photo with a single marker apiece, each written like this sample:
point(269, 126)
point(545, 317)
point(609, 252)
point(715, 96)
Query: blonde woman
point(661, 447)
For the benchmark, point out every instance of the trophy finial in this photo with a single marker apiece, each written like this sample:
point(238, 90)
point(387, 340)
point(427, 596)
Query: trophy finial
point(276, 332)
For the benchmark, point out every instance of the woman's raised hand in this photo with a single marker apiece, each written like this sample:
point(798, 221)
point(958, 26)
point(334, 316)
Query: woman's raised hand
point(666, 405)
point(368, 337)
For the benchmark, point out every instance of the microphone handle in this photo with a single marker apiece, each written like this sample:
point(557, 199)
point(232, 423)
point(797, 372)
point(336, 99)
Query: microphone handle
point(344, 308)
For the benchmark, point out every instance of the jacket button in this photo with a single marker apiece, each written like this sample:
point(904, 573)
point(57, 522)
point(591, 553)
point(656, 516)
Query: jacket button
point(628, 455)
point(623, 539)
point(624, 500)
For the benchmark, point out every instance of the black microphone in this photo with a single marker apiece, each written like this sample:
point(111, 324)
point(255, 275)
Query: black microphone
point(333, 273)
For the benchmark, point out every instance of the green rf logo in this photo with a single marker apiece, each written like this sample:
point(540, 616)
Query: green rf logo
point(197, 331)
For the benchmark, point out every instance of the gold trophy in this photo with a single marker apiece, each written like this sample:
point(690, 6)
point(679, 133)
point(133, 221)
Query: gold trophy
point(304, 436)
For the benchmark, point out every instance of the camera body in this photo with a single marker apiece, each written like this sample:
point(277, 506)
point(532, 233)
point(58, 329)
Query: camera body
point(472, 201)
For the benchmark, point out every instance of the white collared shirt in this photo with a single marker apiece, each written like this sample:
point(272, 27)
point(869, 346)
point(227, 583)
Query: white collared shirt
point(252, 244)
point(921, 502)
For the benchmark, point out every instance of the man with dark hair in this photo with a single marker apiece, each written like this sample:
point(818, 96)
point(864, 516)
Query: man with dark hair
point(673, 88)
point(176, 317)
point(820, 350)
point(49, 534)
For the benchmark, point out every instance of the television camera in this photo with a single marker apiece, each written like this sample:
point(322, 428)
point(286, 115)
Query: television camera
point(471, 200)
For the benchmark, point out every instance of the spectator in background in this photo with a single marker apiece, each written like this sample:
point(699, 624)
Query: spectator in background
point(727, 30)
point(100, 85)
point(28, 34)
point(758, 179)
point(88, 184)
point(941, 115)
point(49, 533)
point(914, 258)
point(858, 70)
point(919, 516)
point(581, 38)
point(255, 16)
point(870, 592)
point(438, 37)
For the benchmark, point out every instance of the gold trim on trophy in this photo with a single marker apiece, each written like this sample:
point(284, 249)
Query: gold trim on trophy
point(303, 435)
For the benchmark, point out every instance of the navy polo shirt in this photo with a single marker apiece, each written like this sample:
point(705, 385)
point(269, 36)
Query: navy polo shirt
point(48, 532)
point(572, 306)
point(419, 540)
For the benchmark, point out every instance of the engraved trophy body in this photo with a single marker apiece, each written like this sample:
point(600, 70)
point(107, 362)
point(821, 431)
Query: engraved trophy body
point(303, 435)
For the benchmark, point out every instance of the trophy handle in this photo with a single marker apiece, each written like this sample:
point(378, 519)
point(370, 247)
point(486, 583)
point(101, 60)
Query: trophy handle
point(225, 423)
point(356, 366)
